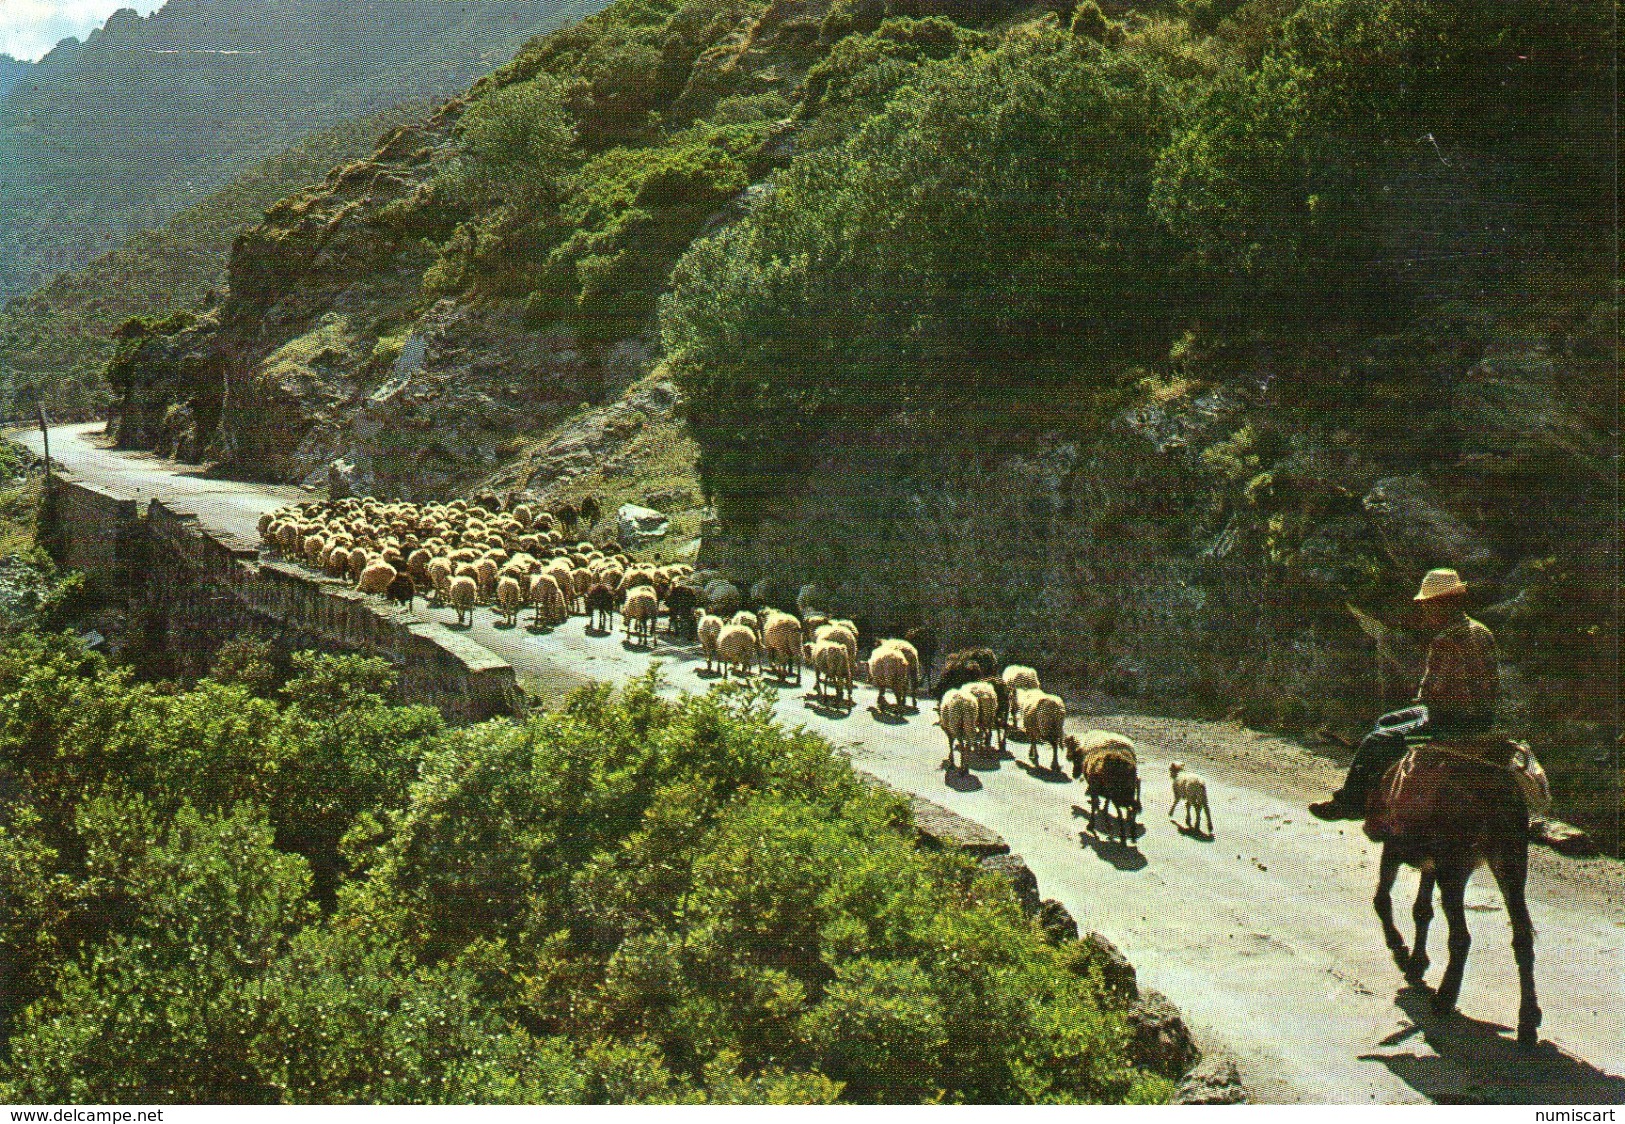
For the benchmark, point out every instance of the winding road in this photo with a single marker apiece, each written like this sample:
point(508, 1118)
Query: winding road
point(1264, 935)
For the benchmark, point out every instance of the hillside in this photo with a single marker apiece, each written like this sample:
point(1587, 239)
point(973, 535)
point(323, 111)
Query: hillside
point(150, 114)
point(1145, 346)
point(12, 71)
point(59, 338)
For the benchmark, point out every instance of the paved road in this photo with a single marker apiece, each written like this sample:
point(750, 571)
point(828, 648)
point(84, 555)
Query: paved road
point(1264, 936)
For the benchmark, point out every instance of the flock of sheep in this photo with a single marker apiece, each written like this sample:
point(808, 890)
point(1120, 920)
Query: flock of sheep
point(515, 556)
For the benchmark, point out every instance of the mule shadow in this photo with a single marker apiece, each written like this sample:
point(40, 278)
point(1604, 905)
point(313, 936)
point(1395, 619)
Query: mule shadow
point(961, 782)
point(1113, 852)
point(1478, 1062)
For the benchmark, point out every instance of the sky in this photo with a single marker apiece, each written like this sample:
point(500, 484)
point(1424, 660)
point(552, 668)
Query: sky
point(29, 28)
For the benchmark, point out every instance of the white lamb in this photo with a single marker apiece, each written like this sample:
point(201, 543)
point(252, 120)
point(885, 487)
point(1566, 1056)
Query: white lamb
point(1192, 789)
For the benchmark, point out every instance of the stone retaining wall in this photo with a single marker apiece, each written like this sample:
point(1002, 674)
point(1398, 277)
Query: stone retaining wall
point(165, 561)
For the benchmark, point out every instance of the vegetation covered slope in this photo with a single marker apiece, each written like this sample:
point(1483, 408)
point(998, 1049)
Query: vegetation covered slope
point(151, 114)
point(56, 341)
point(1142, 345)
point(247, 891)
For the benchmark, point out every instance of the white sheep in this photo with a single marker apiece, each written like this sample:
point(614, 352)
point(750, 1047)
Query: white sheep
point(375, 577)
point(831, 667)
point(1192, 789)
point(987, 710)
point(912, 655)
point(1043, 719)
point(959, 715)
point(889, 670)
point(510, 598)
point(707, 627)
point(463, 592)
point(781, 640)
point(1017, 677)
point(641, 611)
point(736, 646)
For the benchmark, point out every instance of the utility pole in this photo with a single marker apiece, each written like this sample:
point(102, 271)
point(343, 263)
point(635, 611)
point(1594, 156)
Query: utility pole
point(45, 437)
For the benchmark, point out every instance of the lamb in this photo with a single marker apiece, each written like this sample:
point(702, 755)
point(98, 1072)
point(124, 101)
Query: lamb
point(1043, 719)
point(831, 665)
point(463, 591)
point(1108, 765)
point(707, 627)
point(736, 646)
point(403, 590)
point(509, 600)
point(781, 640)
point(1192, 789)
point(641, 612)
point(600, 602)
point(375, 577)
point(959, 716)
point(889, 670)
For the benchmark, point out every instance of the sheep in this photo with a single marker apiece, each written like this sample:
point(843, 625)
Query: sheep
point(987, 710)
point(1192, 789)
point(843, 633)
point(912, 655)
point(402, 590)
point(964, 665)
point(707, 627)
point(831, 665)
point(640, 612)
point(440, 580)
point(959, 716)
point(600, 602)
point(681, 601)
point(889, 670)
point(588, 510)
point(723, 598)
point(924, 642)
point(486, 576)
point(1108, 765)
point(375, 577)
point(358, 562)
point(736, 646)
point(547, 600)
point(1043, 719)
point(1018, 677)
point(509, 599)
point(462, 592)
point(781, 638)
point(747, 618)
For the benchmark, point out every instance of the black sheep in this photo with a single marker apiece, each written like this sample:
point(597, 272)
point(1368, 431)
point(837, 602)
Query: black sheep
point(681, 601)
point(966, 666)
point(589, 511)
point(601, 603)
point(402, 589)
point(925, 643)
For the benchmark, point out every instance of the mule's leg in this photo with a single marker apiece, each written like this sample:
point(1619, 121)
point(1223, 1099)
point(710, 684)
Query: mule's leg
point(1452, 896)
point(1422, 914)
point(1387, 871)
point(1511, 870)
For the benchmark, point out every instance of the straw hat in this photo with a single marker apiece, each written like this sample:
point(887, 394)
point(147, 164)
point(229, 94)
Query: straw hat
point(1440, 583)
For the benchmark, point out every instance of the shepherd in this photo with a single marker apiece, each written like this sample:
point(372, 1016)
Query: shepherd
point(1456, 698)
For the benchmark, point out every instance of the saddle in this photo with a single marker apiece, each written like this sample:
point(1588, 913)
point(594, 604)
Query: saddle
point(1422, 795)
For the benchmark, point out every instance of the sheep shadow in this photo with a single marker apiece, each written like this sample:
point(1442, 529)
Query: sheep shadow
point(960, 782)
point(595, 631)
point(1479, 1062)
point(635, 646)
point(504, 626)
point(707, 673)
point(887, 717)
point(538, 629)
point(984, 761)
point(1110, 821)
point(1042, 772)
point(1195, 833)
point(825, 709)
point(1111, 851)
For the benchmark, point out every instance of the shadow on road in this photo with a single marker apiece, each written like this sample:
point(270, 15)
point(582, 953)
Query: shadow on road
point(887, 717)
point(1477, 1062)
point(1043, 772)
point(1107, 850)
point(1192, 832)
point(827, 710)
point(961, 782)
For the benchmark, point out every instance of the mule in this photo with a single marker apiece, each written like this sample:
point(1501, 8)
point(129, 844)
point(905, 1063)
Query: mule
point(1445, 813)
